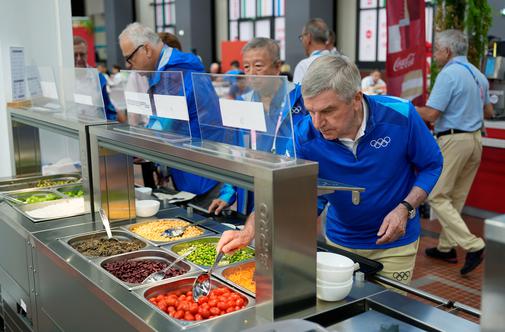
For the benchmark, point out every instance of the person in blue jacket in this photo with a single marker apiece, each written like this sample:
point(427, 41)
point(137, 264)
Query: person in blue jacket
point(376, 142)
point(144, 51)
point(81, 61)
point(261, 56)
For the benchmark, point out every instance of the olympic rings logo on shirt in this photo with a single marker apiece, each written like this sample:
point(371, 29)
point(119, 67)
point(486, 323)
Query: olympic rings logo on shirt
point(296, 109)
point(380, 142)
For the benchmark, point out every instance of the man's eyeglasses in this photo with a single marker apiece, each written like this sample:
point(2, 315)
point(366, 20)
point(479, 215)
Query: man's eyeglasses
point(132, 54)
point(300, 37)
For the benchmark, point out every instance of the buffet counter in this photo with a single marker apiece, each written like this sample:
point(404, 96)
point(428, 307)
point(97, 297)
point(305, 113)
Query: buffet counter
point(67, 285)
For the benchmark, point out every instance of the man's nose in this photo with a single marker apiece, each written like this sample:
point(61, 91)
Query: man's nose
point(316, 120)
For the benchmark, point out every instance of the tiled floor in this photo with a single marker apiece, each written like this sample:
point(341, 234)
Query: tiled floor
point(443, 279)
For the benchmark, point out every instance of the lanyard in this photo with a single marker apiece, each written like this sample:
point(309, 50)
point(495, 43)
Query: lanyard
point(481, 90)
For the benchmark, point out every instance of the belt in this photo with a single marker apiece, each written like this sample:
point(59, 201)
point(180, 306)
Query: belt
point(452, 131)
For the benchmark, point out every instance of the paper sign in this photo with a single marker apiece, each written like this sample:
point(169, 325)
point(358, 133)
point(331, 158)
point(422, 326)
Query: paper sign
point(172, 107)
point(138, 103)
point(33, 80)
point(243, 114)
point(83, 99)
point(17, 55)
point(49, 89)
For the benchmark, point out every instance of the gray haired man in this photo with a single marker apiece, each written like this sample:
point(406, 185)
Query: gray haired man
point(457, 105)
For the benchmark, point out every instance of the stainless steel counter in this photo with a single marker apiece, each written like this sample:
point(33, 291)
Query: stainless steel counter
point(67, 283)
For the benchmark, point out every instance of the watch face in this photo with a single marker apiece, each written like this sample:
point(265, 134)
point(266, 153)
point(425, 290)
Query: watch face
point(412, 214)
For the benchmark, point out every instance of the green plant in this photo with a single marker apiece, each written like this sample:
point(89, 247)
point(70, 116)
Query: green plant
point(472, 16)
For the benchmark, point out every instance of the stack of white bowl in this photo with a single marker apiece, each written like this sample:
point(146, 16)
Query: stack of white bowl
point(334, 276)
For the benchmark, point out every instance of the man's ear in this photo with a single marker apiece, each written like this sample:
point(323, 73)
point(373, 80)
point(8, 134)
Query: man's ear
point(149, 50)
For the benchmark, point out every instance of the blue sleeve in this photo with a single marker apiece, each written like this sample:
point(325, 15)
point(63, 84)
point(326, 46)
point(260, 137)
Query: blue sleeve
point(227, 193)
point(423, 152)
point(110, 110)
point(441, 92)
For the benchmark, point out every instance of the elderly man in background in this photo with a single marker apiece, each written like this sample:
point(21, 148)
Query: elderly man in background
point(314, 39)
point(261, 56)
point(143, 50)
point(373, 84)
point(457, 105)
point(81, 61)
point(376, 142)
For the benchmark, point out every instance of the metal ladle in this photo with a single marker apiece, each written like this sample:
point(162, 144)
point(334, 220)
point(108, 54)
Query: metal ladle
point(201, 286)
point(160, 275)
point(178, 231)
point(106, 223)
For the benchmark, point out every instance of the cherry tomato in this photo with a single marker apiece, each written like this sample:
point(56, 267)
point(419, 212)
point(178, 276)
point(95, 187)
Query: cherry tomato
point(171, 309)
point(189, 294)
point(171, 301)
point(179, 314)
point(240, 302)
point(204, 312)
point(214, 311)
point(160, 297)
point(230, 309)
point(193, 308)
point(212, 303)
point(222, 298)
point(189, 316)
point(203, 299)
point(198, 317)
point(162, 306)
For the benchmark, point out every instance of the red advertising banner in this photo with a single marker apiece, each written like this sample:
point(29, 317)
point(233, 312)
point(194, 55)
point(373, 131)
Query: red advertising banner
point(406, 50)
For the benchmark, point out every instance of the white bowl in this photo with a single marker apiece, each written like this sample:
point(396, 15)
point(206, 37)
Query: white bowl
point(335, 275)
point(331, 261)
point(143, 193)
point(147, 208)
point(333, 293)
point(332, 283)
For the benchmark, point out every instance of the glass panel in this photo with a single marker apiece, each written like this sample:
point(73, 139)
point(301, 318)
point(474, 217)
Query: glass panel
point(383, 36)
point(368, 4)
point(234, 9)
point(262, 28)
point(367, 35)
point(43, 89)
point(280, 7)
point(246, 31)
point(83, 94)
point(280, 35)
point(234, 30)
point(156, 104)
point(159, 16)
point(429, 24)
point(251, 112)
point(265, 7)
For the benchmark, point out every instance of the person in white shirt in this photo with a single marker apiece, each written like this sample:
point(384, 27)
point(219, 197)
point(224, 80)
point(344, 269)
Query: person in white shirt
point(314, 38)
point(373, 85)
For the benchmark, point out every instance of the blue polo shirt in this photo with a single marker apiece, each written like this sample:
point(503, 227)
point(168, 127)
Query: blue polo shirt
point(460, 93)
point(110, 110)
point(282, 145)
point(172, 59)
point(396, 153)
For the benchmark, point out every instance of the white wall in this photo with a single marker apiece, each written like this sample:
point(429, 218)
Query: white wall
point(346, 27)
point(44, 29)
point(145, 13)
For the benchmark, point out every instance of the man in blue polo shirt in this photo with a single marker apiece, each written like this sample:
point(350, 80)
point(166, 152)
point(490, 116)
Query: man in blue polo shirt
point(376, 142)
point(457, 105)
point(144, 51)
point(261, 56)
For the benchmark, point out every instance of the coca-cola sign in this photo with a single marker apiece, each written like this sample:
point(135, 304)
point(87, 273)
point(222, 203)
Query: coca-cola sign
point(404, 63)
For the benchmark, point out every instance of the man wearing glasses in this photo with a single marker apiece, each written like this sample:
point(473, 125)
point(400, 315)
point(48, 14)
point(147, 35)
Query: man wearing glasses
point(143, 50)
point(313, 38)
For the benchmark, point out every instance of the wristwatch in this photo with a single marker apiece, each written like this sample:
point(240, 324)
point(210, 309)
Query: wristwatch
point(410, 209)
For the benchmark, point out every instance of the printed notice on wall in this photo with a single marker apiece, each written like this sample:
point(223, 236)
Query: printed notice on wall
point(243, 114)
point(33, 80)
point(17, 55)
point(138, 103)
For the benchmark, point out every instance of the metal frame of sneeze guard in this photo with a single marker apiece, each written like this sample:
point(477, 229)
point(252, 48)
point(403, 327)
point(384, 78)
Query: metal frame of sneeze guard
point(43, 89)
point(285, 201)
point(156, 105)
point(252, 114)
point(82, 93)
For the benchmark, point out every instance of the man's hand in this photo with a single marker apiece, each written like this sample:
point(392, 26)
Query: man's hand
point(217, 206)
point(394, 225)
point(231, 241)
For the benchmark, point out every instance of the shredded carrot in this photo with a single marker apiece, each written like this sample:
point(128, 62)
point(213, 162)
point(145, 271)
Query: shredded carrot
point(244, 277)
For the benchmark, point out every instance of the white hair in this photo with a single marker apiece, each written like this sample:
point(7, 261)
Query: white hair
point(332, 72)
point(140, 34)
point(454, 40)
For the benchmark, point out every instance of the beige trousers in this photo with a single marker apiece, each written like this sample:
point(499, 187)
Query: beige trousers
point(398, 262)
point(462, 154)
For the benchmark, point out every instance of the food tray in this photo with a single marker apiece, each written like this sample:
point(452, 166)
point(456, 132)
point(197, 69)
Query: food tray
point(206, 232)
point(119, 234)
point(18, 197)
point(12, 184)
point(223, 271)
point(185, 284)
point(177, 247)
point(144, 254)
point(25, 209)
point(69, 188)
